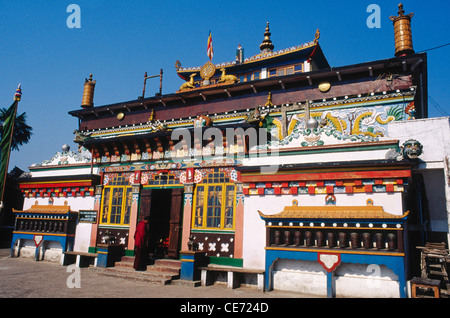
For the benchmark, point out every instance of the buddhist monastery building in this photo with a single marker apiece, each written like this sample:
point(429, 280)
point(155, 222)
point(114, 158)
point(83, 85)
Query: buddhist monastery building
point(319, 179)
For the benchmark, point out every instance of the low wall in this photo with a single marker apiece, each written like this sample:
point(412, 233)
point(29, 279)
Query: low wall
point(352, 280)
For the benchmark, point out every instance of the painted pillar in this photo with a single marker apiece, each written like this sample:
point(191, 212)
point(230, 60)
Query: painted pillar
point(97, 206)
point(331, 286)
point(239, 222)
point(136, 189)
point(190, 262)
point(329, 262)
point(187, 215)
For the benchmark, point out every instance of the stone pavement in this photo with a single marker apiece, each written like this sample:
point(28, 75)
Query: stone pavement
point(26, 278)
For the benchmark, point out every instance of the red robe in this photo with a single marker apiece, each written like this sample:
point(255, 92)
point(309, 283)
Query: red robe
point(141, 234)
point(140, 241)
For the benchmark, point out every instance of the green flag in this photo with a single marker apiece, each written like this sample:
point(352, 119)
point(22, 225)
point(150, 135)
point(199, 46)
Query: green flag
point(5, 143)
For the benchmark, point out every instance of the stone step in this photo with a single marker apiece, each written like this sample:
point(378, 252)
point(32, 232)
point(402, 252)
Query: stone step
point(124, 264)
point(127, 259)
point(166, 265)
point(168, 262)
point(134, 275)
point(149, 272)
point(172, 265)
point(164, 269)
point(162, 272)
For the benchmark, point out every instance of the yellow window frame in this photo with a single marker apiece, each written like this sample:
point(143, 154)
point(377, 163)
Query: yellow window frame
point(200, 212)
point(285, 69)
point(123, 202)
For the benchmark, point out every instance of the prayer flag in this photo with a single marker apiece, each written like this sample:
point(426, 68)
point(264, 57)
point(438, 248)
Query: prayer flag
point(5, 142)
point(210, 50)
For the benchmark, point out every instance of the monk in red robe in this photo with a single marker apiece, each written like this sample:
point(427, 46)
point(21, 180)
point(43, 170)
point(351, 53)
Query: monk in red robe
point(140, 243)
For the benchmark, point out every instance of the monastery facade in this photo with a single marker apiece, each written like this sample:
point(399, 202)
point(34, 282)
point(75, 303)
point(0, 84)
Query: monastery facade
point(323, 178)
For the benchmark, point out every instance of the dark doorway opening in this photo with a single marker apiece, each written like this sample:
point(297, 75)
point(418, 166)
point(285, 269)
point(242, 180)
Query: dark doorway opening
point(159, 224)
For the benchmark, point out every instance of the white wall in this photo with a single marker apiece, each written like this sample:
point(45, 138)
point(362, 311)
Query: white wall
point(434, 135)
point(45, 172)
point(254, 227)
point(83, 230)
point(276, 160)
point(75, 203)
point(82, 237)
point(351, 280)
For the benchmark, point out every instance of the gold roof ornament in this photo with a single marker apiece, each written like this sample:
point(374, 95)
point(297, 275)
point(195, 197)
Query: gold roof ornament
point(188, 84)
point(317, 37)
point(269, 100)
point(266, 45)
point(402, 32)
point(207, 71)
point(120, 116)
point(224, 78)
point(152, 116)
point(88, 93)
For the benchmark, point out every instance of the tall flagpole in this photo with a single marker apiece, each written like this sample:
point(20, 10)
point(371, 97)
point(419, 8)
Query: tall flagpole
point(17, 97)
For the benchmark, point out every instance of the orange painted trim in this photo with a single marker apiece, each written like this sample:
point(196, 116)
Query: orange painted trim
point(187, 220)
point(239, 227)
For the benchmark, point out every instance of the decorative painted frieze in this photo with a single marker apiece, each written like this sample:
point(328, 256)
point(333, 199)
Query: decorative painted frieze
point(319, 187)
point(67, 157)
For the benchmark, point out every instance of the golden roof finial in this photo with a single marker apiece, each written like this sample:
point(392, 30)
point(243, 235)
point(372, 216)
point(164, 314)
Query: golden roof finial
point(316, 37)
point(88, 93)
point(266, 45)
point(269, 100)
point(402, 32)
point(401, 14)
point(400, 9)
point(152, 116)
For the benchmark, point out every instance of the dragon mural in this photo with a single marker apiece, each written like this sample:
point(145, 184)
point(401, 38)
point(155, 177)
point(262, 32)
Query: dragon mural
point(354, 121)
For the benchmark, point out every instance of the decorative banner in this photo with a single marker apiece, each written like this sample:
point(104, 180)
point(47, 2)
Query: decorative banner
point(38, 239)
point(198, 177)
point(209, 50)
point(329, 261)
point(189, 175)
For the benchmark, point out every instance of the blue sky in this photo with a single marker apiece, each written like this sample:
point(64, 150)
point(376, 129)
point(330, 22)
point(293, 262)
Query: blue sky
point(121, 40)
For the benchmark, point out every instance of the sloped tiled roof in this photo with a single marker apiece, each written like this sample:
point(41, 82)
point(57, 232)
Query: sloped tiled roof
point(46, 209)
point(333, 212)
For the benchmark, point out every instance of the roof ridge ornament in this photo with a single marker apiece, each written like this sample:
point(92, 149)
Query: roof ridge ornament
point(88, 93)
point(402, 32)
point(317, 37)
point(266, 45)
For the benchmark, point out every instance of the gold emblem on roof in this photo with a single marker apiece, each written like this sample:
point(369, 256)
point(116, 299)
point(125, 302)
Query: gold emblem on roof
point(207, 71)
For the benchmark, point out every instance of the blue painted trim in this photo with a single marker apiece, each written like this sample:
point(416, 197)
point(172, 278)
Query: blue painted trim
point(63, 240)
point(395, 263)
point(331, 290)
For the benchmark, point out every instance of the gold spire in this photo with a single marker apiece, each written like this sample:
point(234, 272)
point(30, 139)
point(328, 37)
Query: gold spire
point(88, 93)
point(402, 31)
point(266, 45)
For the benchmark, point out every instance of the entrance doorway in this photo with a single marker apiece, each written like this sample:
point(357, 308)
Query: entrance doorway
point(159, 224)
point(164, 206)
